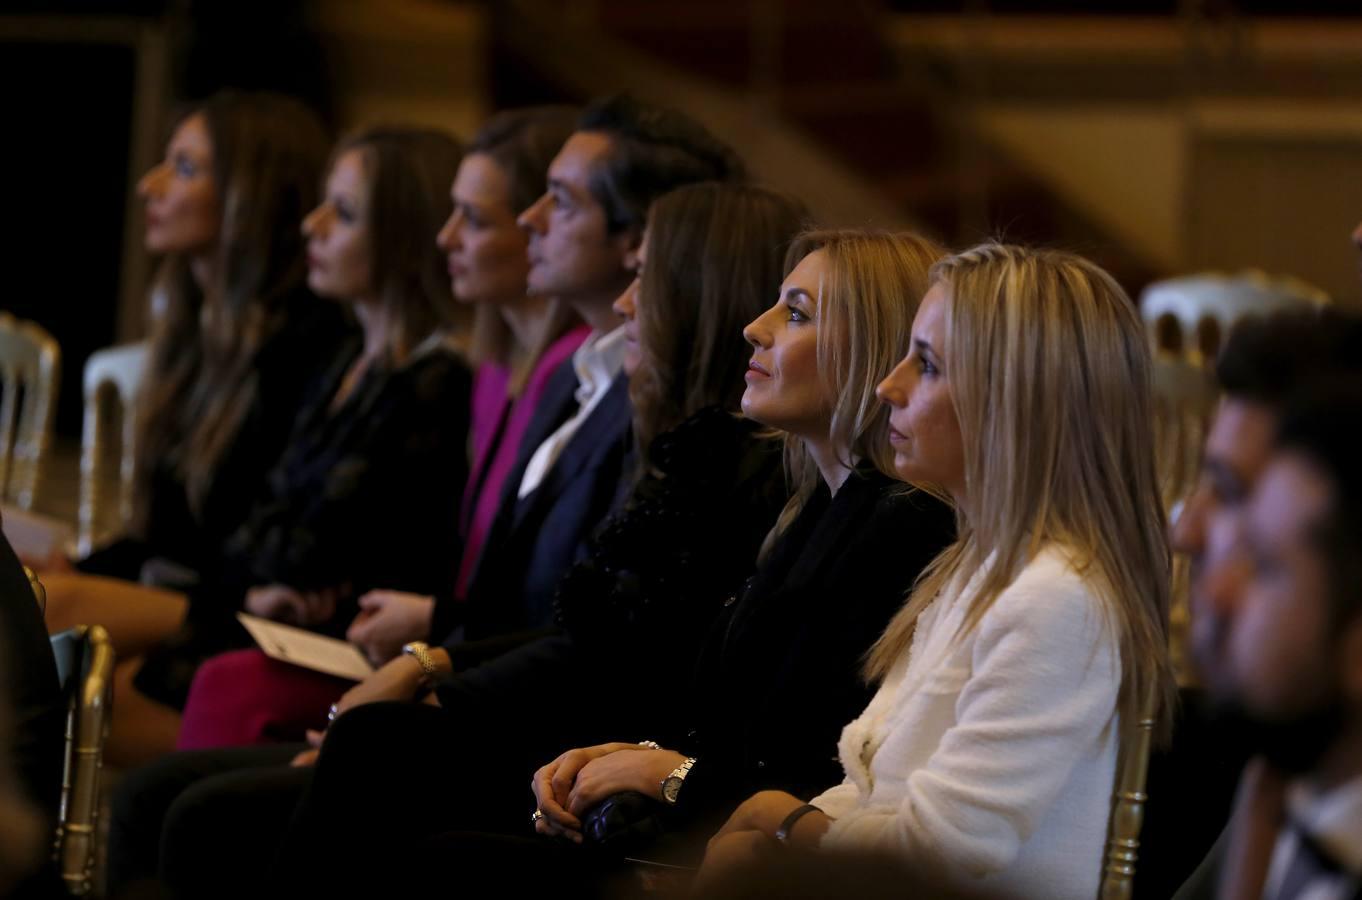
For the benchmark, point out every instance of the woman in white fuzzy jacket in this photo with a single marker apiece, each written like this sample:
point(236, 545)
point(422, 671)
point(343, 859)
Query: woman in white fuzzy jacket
point(989, 752)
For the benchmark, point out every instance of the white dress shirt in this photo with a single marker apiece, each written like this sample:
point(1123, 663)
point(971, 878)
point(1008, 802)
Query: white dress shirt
point(597, 361)
point(1334, 822)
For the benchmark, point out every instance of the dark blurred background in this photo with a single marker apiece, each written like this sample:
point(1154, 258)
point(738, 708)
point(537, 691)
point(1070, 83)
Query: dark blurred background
point(1158, 137)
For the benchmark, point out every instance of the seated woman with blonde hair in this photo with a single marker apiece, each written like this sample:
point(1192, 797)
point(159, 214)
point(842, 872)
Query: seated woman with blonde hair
point(1022, 656)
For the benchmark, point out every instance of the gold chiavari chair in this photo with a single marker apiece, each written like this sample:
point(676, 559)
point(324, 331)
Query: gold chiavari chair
point(39, 592)
point(1127, 808)
point(85, 664)
point(1191, 315)
point(112, 379)
point(30, 366)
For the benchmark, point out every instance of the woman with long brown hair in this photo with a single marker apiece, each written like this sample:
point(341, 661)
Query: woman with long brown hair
point(235, 337)
point(517, 342)
point(236, 342)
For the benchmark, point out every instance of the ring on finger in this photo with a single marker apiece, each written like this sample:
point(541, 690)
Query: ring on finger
point(332, 713)
point(536, 816)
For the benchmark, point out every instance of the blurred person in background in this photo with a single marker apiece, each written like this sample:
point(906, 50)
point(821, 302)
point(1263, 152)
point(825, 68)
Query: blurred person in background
point(237, 341)
point(1281, 651)
point(1265, 360)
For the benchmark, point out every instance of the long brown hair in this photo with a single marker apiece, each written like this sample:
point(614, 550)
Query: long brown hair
point(267, 156)
point(1049, 370)
point(714, 263)
point(408, 171)
point(874, 282)
point(522, 143)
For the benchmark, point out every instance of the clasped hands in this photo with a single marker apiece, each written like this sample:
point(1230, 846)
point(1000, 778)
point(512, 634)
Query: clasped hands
point(578, 780)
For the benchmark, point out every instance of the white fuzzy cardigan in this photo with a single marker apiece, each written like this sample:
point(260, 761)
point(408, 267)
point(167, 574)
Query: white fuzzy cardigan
point(993, 754)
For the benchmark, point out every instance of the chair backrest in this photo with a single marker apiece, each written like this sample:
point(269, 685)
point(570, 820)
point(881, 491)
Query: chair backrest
point(1184, 402)
point(113, 377)
point(85, 664)
point(1190, 316)
point(39, 592)
point(30, 366)
point(1127, 809)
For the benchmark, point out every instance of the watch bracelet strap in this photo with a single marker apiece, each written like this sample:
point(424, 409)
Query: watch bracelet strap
point(783, 832)
point(679, 773)
point(421, 654)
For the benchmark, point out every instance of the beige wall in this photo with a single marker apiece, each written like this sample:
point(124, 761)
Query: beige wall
point(1123, 165)
point(416, 62)
point(1216, 185)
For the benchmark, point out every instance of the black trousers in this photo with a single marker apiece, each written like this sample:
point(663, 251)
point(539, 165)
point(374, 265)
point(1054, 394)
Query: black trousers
point(392, 775)
point(205, 823)
point(218, 822)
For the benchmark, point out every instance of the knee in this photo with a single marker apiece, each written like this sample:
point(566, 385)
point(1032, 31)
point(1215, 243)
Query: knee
point(63, 609)
point(198, 824)
point(137, 815)
point(376, 731)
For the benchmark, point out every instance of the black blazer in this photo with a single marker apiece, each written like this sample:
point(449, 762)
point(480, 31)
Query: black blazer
point(35, 720)
point(534, 540)
point(781, 672)
point(288, 368)
point(364, 497)
point(635, 609)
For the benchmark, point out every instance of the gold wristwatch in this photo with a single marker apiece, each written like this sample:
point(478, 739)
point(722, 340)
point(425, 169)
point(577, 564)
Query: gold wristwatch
point(420, 651)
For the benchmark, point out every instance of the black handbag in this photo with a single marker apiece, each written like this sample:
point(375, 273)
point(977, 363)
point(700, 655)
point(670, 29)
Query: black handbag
point(625, 822)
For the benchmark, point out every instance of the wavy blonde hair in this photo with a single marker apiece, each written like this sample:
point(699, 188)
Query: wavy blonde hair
point(866, 304)
point(1049, 372)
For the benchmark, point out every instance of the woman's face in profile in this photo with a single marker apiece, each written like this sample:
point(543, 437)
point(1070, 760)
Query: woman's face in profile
point(923, 427)
point(482, 243)
point(339, 258)
point(182, 208)
point(627, 307)
point(784, 389)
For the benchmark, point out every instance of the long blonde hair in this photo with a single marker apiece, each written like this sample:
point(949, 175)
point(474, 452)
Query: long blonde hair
point(1049, 373)
point(866, 304)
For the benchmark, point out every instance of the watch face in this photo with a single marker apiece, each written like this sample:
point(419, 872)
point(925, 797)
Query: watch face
point(671, 788)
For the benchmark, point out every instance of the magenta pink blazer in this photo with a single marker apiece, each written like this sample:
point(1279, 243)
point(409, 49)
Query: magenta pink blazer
point(498, 425)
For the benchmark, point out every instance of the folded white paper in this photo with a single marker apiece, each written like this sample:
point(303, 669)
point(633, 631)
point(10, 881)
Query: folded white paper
point(304, 648)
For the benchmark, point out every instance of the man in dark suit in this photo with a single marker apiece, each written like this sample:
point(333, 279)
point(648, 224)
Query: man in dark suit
point(584, 233)
point(1265, 361)
point(1284, 657)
